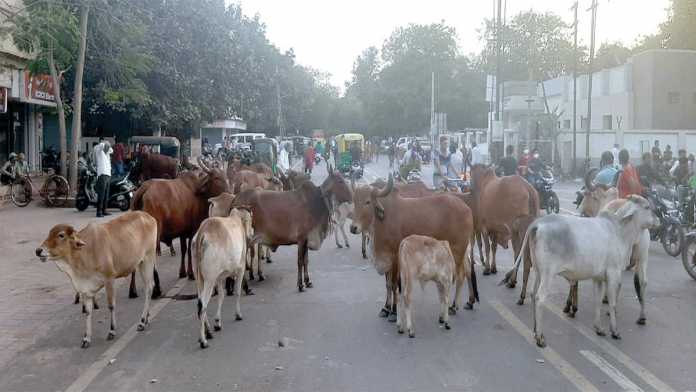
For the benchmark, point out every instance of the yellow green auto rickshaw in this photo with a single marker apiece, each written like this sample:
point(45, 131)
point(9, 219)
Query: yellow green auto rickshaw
point(350, 148)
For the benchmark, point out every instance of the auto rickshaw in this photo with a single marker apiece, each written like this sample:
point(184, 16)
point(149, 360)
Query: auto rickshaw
point(350, 147)
point(266, 151)
point(165, 145)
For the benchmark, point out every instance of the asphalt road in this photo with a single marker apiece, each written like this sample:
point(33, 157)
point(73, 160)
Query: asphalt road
point(333, 340)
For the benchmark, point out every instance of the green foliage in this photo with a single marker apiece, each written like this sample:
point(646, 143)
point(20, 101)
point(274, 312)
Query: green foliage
point(679, 31)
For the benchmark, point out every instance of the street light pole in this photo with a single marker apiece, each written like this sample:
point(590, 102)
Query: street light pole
point(575, 86)
point(589, 78)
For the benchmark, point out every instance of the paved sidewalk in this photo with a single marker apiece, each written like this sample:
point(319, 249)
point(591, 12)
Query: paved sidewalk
point(34, 296)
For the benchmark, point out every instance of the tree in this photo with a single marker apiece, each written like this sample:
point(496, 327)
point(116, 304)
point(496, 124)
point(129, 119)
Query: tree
point(611, 55)
point(679, 31)
point(51, 33)
point(77, 101)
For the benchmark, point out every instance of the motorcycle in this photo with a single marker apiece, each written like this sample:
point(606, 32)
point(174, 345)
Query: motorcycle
point(120, 190)
point(356, 170)
point(50, 159)
point(670, 231)
point(547, 196)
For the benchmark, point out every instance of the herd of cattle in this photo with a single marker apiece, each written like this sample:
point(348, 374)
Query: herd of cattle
point(234, 219)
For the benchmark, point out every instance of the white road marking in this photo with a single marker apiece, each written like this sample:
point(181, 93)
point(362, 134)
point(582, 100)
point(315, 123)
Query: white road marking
point(549, 354)
point(569, 212)
point(611, 371)
point(610, 349)
point(86, 378)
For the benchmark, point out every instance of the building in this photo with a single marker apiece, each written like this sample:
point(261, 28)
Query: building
point(25, 100)
point(650, 97)
point(215, 132)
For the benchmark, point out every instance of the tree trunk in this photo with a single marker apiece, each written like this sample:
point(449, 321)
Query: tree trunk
point(77, 106)
point(61, 115)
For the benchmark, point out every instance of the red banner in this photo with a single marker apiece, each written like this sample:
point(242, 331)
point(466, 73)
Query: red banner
point(39, 87)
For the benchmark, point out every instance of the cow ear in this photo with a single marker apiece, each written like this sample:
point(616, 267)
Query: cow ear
point(77, 242)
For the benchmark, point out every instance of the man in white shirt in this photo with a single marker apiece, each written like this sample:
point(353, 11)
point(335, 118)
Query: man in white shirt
point(476, 157)
point(103, 162)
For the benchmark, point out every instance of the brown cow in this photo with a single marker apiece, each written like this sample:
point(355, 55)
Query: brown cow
point(179, 206)
point(154, 165)
point(99, 254)
point(301, 217)
point(387, 218)
point(504, 202)
point(247, 179)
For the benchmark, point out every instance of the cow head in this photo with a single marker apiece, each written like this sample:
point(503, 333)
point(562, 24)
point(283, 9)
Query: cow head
point(220, 205)
point(212, 183)
point(335, 185)
point(595, 197)
point(61, 242)
point(637, 212)
point(275, 184)
point(479, 175)
point(367, 206)
point(244, 215)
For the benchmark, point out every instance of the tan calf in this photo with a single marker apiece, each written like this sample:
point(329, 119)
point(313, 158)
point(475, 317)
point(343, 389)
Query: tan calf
point(424, 259)
point(221, 246)
point(99, 254)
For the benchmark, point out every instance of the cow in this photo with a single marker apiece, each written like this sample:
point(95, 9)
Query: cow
point(300, 217)
point(567, 246)
point(247, 179)
point(99, 254)
point(424, 259)
point(388, 218)
point(179, 206)
point(499, 202)
point(595, 197)
point(638, 261)
point(342, 212)
point(221, 246)
point(154, 165)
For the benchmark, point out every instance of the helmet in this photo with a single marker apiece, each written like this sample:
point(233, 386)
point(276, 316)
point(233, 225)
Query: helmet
point(12, 156)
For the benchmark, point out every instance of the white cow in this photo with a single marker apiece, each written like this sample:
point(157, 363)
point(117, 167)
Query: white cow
point(221, 247)
point(568, 246)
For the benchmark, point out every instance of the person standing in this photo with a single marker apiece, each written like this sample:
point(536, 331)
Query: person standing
point(615, 152)
point(457, 160)
point(629, 183)
point(309, 156)
point(509, 163)
point(119, 154)
point(284, 159)
point(441, 163)
point(101, 154)
point(656, 153)
point(476, 157)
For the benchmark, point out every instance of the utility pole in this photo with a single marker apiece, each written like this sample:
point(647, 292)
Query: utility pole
point(279, 120)
point(498, 49)
point(589, 78)
point(575, 86)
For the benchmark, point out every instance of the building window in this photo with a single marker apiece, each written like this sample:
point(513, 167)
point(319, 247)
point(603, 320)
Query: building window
point(607, 121)
point(583, 122)
point(673, 97)
point(566, 124)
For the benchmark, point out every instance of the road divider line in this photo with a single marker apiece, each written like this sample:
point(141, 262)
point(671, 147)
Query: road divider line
point(610, 349)
point(549, 354)
point(613, 373)
point(86, 378)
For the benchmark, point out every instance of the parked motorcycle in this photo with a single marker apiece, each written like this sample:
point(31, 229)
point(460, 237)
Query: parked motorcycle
point(120, 190)
point(548, 199)
point(671, 231)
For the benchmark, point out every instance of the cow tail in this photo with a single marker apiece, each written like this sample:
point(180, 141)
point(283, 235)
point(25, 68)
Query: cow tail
point(199, 242)
point(473, 273)
point(525, 241)
point(137, 202)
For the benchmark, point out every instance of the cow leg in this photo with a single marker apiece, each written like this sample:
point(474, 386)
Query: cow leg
point(203, 300)
point(599, 288)
point(443, 289)
point(338, 244)
point(240, 281)
point(259, 255)
point(407, 308)
point(364, 245)
point(132, 291)
point(307, 281)
point(88, 299)
point(189, 245)
point(345, 236)
point(494, 250)
point(613, 287)
point(252, 249)
point(459, 282)
point(300, 263)
point(639, 282)
point(395, 287)
point(218, 314)
point(229, 288)
point(527, 266)
point(384, 312)
point(77, 299)
point(538, 299)
point(111, 300)
point(487, 261)
point(157, 290)
point(147, 274)
point(479, 242)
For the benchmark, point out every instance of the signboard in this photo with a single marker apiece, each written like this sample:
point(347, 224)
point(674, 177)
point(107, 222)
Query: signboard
point(39, 87)
point(3, 100)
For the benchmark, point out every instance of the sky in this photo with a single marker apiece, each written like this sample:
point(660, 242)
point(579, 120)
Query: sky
point(329, 34)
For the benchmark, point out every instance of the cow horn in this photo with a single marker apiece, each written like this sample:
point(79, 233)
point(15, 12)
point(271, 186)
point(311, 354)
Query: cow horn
point(387, 189)
point(202, 165)
point(589, 176)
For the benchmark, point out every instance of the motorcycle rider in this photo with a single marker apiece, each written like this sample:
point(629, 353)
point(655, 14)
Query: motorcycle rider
point(647, 173)
point(607, 171)
point(534, 168)
point(410, 161)
point(442, 164)
point(628, 183)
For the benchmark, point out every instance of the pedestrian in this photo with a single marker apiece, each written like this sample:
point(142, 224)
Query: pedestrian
point(476, 155)
point(441, 163)
point(680, 154)
point(667, 155)
point(283, 159)
point(119, 155)
point(656, 154)
point(457, 159)
point(101, 155)
point(309, 156)
point(509, 163)
point(629, 183)
point(615, 152)
point(391, 152)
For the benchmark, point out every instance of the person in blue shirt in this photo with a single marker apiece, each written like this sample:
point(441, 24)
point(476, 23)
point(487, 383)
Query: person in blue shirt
point(607, 170)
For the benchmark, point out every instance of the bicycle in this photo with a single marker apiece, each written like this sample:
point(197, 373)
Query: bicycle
point(54, 192)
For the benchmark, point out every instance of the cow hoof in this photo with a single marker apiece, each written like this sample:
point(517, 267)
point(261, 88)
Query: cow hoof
point(85, 343)
point(96, 305)
point(641, 321)
point(77, 299)
point(141, 327)
point(249, 292)
point(208, 334)
point(383, 313)
point(309, 284)
point(392, 317)
point(251, 277)
point(229, 293)
point(411, 334)
point(217, 328)
point(600, 332)
point(84, 310)
point(605, 300)
point(191, 276)
point(487, 271)
point(339, 246)
point(156, 293)
point(452, 310)
point(300, 288)
point(132, 294)
point(511, 285)
point(540, 341)
point(203, 343)
point(566, 309)
point(447, 326)
point(616, 336)
point(111, 335)
point(238, 317)
point(520, 301)
point(400, 330)
point(494, 270)
point(469, 306)
point(261, 278)
point(269, 261)
point(182, 274)
point(441, 320)
point(347, 245)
